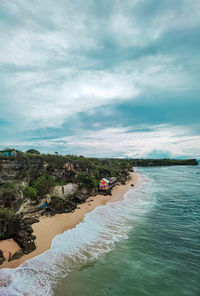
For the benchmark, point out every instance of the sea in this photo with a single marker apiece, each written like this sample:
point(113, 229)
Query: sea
point(147, 244)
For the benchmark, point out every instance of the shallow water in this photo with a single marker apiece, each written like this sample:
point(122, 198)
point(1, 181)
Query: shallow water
point(148, 244)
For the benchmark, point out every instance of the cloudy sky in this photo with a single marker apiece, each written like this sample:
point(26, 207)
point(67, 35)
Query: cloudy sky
point(101, 78)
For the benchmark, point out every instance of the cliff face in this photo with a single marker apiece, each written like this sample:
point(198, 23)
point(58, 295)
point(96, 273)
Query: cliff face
point(26, 169)
point(34, 185)
point(8, 170)
point(16, 176)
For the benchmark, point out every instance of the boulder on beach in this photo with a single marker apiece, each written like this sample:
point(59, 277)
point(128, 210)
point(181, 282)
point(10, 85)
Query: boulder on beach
point(2, 258)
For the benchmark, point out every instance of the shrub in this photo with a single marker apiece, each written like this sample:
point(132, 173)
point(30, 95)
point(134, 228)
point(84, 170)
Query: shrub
point(43, 184)
point(84, 163)
point(7, 187)
point(33, 151)
point(6, 213)
point(87, 180)
point(31, 192)
point(60, 183)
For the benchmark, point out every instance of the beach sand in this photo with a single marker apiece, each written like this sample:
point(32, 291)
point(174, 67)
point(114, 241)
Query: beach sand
point(49, 227)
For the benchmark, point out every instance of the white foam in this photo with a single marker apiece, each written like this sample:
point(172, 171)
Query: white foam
point(96, 234)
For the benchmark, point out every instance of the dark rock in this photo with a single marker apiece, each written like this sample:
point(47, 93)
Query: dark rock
point(2, 258)
point(132, 185)
point(17, 255)
point(25, 240)
point(80, 198)
point(47, 212)
point(29, 247)
point(30, 220)
point(11, 200)
point(8, 228)
point(59, 205)
point(33, 236)
point(29, 229)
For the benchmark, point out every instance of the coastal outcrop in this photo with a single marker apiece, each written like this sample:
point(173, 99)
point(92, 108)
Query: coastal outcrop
point(25, 239)
point(2, 258)
point(32, 185)
point(17, 255)
point(17, 228)
point(59, 205)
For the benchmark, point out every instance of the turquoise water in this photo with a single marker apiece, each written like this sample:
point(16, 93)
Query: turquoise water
point(147, 244)
point(162, 253)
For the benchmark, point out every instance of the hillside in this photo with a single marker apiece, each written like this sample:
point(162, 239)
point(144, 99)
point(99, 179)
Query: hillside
point(41, 184)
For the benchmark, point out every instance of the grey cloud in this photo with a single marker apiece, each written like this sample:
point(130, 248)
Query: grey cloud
point(62, 59)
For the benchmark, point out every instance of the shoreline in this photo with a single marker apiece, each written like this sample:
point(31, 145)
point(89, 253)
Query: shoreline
point(62, 222)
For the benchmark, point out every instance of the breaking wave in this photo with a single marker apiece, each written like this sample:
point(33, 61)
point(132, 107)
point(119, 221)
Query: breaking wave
point(96, 234)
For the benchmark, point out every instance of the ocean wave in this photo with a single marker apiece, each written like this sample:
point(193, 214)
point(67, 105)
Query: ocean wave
point(95, 235)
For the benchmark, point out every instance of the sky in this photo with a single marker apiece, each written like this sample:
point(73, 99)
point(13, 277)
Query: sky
point(109, 78)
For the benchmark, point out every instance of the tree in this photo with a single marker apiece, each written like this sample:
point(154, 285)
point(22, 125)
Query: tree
point(43, 184)
point(31, 192)
point(32, 151)
point(87, 179)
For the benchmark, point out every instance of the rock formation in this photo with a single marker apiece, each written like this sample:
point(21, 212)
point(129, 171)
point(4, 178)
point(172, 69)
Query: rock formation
point(2, 258)
point(33, 185)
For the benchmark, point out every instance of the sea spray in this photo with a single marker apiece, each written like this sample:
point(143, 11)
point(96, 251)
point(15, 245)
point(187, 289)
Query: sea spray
point(95, 235)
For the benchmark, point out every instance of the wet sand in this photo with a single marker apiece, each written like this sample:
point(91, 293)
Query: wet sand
point(49, 227)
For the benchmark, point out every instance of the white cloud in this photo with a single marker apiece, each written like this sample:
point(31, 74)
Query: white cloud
point(47, 101)
point(136, 23)
point(52, 46)
point(50, 98)
point(45, 31)
point(175, 140)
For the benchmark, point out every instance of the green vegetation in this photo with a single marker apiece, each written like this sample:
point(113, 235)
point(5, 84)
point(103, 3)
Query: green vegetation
point(31, 192)
point(43, 171)
point(42, 184)
point(60, 183)
point(39, 186)
point(87, 180)
point(163, 162)
point(7, 187)
point(7, 214)
point(31, 176)
point(33, 151)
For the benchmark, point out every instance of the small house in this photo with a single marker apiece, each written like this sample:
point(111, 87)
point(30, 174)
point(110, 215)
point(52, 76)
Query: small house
point(108, 183)
point(112, 181)
point(103, 184)
point(7, 153)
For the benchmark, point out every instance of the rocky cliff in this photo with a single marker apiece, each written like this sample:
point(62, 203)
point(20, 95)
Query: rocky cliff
point(34, 185)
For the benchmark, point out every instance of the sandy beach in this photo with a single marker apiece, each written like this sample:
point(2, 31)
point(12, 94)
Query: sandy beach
point(49, 227)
